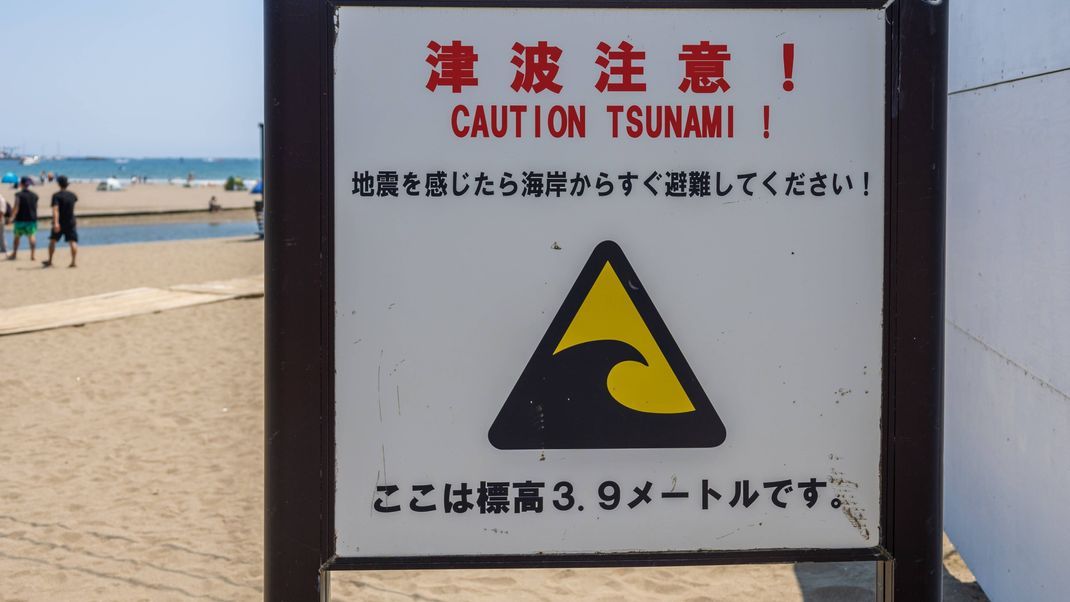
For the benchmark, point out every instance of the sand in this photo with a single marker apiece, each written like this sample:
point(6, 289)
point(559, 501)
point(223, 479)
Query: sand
point(138, 198)
point(130, 458)
point(103, 269)
point(131, 463)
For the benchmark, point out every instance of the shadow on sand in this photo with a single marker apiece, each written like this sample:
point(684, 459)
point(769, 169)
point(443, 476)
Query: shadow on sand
point(856, 582)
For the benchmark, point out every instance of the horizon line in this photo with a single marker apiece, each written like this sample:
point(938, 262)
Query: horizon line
point(45, 157)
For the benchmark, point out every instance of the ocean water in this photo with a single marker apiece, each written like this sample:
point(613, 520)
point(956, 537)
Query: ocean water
point(129, 233)
point(160, 170)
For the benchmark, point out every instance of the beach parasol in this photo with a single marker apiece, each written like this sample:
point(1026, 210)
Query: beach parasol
point(259, 188)
point(10, 178)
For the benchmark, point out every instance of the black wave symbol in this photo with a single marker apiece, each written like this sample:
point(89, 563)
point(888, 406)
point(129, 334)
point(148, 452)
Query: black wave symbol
point(562, 402)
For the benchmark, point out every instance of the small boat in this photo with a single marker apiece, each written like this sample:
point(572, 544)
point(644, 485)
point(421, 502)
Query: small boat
point(31, 160)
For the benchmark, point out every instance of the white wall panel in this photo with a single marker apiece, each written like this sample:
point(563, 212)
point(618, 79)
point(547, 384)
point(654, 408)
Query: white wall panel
point(1007, 428)
point(996, 40)
point(1006, 475)
point(1008, 233)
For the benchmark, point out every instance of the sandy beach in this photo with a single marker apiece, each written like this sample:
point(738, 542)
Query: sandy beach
point(131, 463)
point(139, 198)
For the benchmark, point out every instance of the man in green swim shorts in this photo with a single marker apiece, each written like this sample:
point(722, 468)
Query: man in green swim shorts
point(25, 218)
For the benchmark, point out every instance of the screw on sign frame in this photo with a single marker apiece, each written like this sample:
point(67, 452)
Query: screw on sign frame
point(299, 545)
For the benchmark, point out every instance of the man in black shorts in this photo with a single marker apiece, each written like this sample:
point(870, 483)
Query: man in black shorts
point(63, 222)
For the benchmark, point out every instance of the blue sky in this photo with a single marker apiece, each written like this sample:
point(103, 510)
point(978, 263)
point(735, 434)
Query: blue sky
point(132, 78)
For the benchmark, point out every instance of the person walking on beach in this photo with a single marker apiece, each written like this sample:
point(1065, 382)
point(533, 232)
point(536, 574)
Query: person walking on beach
point(63, 222)
point(25, 218)
point(5, 215)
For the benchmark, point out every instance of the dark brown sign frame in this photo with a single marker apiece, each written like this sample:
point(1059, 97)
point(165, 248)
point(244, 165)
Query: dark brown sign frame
point(299, 363)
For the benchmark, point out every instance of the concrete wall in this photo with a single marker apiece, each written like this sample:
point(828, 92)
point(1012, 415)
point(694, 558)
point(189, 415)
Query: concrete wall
point(1007, 457)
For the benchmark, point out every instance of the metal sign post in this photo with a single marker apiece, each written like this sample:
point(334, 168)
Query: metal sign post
point(604, 284)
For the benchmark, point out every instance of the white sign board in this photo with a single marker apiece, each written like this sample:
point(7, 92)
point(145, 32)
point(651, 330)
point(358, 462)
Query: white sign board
point(607, 279)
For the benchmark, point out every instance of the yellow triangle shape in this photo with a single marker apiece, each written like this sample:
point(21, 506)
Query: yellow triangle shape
point(608, 314)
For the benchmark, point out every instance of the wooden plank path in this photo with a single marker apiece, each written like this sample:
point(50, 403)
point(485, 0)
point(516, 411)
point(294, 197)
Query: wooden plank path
point(121, 304)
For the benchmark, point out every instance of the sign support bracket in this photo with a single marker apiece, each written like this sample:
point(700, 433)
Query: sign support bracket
point(885, 581)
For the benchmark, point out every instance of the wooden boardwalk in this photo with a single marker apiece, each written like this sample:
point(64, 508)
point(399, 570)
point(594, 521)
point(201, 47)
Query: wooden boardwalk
point(121, 304)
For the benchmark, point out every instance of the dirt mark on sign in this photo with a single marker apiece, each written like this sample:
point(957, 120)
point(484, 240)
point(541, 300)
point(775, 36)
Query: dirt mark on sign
point(845, 490)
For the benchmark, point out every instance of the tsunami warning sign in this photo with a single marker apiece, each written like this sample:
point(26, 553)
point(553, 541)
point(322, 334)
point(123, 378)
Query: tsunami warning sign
point(606, 280)
point(607, 374)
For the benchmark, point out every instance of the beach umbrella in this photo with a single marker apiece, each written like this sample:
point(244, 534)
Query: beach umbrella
point(10, 178)
point(258, 189)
